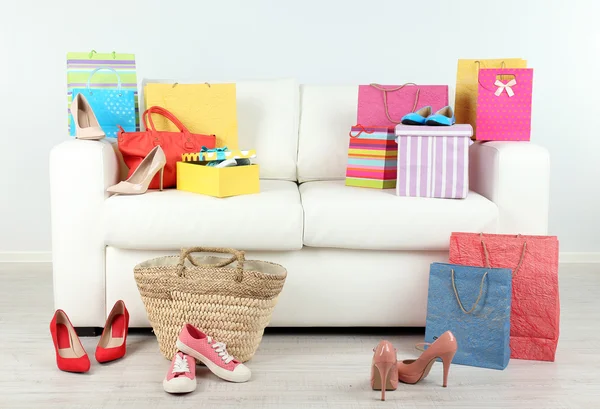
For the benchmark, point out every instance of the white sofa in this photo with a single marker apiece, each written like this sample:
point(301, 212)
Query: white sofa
point(355, 256)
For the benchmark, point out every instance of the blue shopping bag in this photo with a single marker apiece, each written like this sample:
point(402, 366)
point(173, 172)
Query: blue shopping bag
point(112, 106)
point(474, 303)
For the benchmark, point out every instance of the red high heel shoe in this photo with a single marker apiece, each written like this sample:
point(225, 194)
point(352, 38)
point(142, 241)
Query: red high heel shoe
point(113, 342)
point(384, 375)
point(413, 370)
point(70, 354)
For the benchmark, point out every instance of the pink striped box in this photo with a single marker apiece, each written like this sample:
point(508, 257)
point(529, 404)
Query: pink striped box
point(433, 161)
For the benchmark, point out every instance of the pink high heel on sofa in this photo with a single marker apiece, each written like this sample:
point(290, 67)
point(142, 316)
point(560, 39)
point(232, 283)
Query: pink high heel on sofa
point(413, 370)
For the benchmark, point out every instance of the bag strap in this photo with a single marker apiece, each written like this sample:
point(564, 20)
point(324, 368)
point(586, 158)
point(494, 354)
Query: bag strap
point(236, 255)
point(147, 117)
point(385, 103)
point(458, 297)
point(487, 255)
point(363, 129)
point(480, 64)
point(91, 54)
point(108, 69)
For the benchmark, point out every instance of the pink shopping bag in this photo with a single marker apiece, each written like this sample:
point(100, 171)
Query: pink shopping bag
point(504, 104)
point(385, 105)
point(535, 310)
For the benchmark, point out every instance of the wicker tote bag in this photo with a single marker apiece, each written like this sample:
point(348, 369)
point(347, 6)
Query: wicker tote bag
point(230, 299)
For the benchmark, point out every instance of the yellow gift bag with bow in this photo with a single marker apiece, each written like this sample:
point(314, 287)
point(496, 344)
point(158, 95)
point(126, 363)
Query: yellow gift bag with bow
point(467, 74)
point(208, 109)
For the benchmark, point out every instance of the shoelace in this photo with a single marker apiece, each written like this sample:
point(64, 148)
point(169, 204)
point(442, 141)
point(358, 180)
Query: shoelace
point(221, 349)
point(181, 365)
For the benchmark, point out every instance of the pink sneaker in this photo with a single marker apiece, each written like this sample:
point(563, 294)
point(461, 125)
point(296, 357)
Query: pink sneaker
point(181, 377)
point(213, 354)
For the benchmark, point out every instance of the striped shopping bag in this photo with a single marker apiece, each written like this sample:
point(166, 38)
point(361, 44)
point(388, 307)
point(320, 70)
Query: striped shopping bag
point(80, 66)
point(372, 157)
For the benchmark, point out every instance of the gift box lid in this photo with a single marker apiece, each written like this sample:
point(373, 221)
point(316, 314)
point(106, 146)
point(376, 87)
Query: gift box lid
point(418, 130)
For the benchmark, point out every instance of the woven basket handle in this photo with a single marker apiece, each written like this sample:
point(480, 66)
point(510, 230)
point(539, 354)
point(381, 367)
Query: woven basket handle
point(236, 255)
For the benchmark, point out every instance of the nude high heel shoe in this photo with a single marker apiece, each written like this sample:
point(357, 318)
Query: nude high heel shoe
point(384, 375)
point(86, 124)
point(413, 370)
point(139, 181)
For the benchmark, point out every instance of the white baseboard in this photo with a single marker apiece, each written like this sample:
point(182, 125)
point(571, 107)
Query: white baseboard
point(46, 257)
point(579, 257)
point(25, 256)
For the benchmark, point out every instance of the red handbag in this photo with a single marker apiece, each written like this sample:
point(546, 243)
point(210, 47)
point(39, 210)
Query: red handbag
point(134, 146)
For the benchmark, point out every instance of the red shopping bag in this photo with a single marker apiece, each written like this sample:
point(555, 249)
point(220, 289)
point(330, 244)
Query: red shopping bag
point(385, 105)
point(134, 146)
point(535, 311)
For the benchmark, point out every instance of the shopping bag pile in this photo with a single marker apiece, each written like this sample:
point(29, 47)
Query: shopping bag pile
point(183, 119)
point(499, 296)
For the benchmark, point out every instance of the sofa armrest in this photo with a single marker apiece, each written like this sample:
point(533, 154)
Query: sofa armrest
point(80, 172)
point(515, 176)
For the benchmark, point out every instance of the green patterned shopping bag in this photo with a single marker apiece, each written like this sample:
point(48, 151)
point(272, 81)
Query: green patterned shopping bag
point(80, 66)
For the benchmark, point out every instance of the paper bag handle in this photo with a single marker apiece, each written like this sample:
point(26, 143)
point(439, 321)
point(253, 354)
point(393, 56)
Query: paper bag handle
point(385, 103)
point(502, 66)
point(363, 129)
point(478, 297)
point(487, 255)
point(108, 69)
point(498, 91)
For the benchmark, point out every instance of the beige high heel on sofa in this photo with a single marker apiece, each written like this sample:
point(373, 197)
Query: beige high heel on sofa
point(86, 124)
point(139, 181)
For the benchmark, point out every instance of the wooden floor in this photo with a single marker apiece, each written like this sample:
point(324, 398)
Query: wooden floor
point(326, 370)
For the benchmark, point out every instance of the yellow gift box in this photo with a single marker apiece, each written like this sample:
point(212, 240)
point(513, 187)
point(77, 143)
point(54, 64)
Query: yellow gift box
point(218, 182)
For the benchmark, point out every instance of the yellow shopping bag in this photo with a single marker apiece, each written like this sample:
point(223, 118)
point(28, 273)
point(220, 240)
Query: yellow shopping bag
point(467, 74)
point(208, 109)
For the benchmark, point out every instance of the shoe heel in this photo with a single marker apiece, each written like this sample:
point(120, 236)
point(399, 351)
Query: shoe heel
point(447, 360)
point(384, 369)
point(161, 178)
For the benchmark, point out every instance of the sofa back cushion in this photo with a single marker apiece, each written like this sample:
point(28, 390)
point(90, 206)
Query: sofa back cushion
point(327, 114)
point(267, 113)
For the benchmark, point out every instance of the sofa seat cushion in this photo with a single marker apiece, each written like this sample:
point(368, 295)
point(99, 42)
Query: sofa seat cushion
point(360, 218)
point(172, 219)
